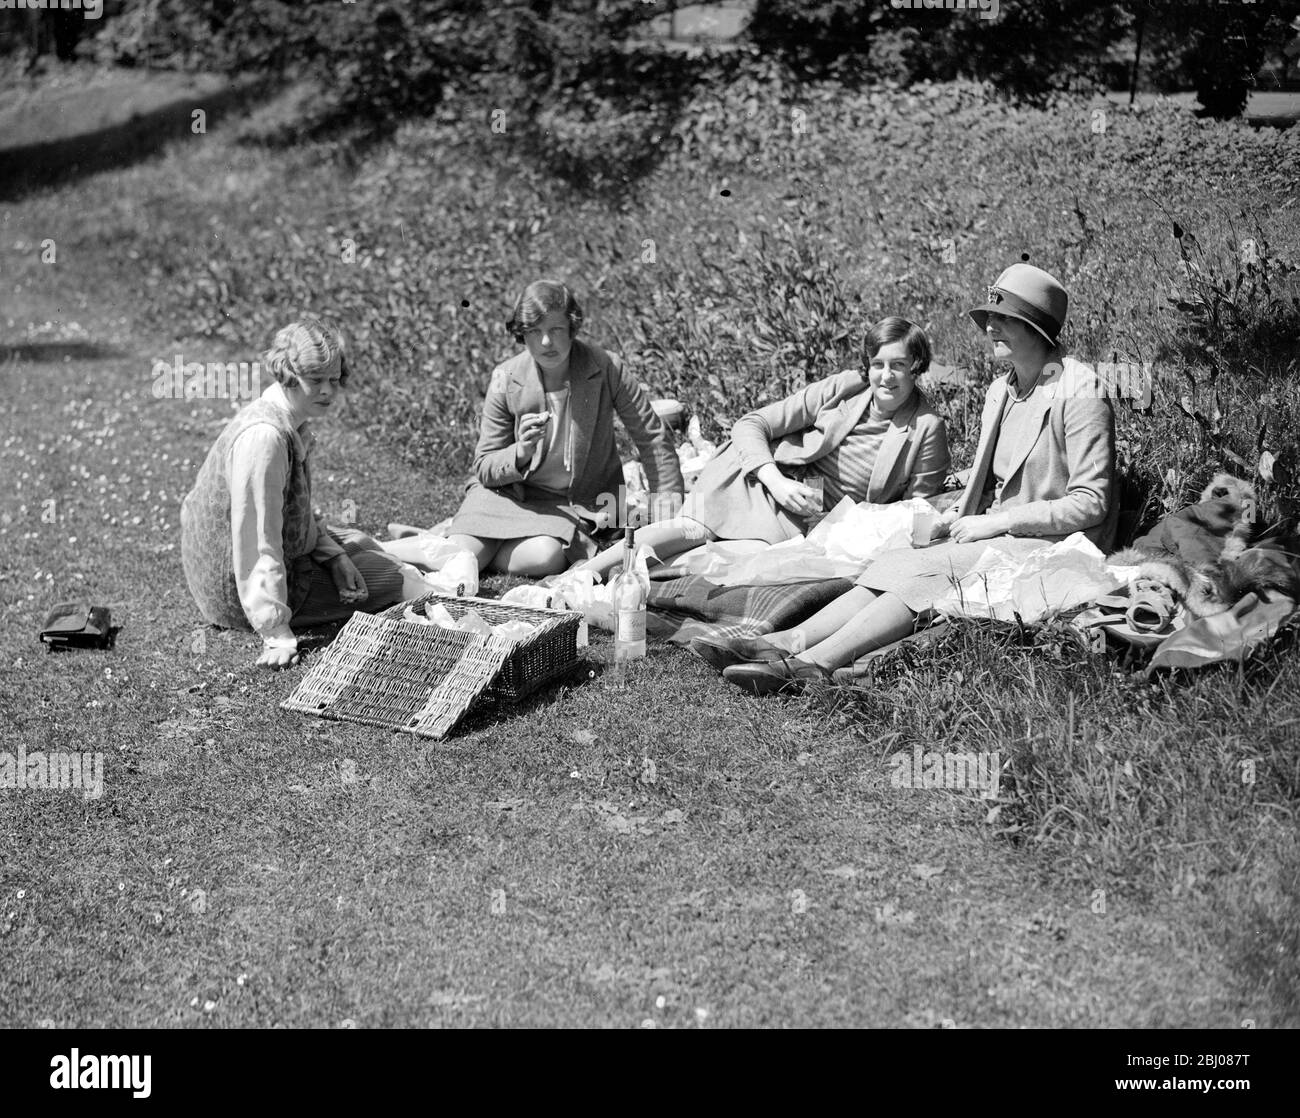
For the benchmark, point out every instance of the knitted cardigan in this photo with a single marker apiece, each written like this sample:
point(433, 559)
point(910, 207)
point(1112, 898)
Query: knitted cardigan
point(207, 547)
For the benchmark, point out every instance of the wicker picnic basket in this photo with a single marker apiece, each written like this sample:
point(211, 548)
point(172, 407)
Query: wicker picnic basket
point(384, 670)
point(548, 652)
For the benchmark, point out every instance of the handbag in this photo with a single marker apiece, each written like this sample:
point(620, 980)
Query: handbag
point(78, 625)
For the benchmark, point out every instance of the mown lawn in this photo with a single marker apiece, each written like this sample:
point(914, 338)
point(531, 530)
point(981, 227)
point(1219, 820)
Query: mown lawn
point(679, 854)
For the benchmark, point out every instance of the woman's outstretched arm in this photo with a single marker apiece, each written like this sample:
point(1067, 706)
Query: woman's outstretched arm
point(754, 433)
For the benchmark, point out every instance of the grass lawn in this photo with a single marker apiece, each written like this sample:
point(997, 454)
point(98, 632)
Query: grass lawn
point(677, 855)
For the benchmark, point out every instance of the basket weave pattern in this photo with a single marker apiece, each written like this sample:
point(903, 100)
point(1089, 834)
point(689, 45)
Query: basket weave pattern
point(383, 670)
point(539, 658)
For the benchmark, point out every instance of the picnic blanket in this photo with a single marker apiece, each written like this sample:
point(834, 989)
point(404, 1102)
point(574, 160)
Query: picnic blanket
point(747, 588)
point(1052, 579)
point(839, 546)
point(1237, 587)
point(683, 607)
point(1224, 636)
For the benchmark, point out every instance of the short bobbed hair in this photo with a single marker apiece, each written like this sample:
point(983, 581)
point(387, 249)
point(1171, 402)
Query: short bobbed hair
point(307, 346)
point(538, 300)
point(896, 329)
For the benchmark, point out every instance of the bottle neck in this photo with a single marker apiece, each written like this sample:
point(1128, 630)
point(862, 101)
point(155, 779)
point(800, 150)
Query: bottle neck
point(630, 555)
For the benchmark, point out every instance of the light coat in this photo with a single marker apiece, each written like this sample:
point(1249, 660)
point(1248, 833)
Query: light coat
point(1063, 475)
point(913, 457)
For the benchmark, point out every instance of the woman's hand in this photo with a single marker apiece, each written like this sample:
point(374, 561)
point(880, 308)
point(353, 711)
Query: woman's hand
point(347, 580)
point(532, 427)
point(969, 529)
point(793, 496)
point(278, 657)
point(942, 527)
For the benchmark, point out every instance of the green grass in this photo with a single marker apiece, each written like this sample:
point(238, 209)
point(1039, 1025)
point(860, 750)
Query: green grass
point(769, 875)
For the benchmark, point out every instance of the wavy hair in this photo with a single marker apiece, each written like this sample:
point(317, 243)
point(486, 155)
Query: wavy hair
point(538, 300)
point(304, 347)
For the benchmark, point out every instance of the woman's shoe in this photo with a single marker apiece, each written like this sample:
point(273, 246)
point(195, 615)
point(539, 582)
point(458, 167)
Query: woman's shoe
point(726, 651)
point(786, 675)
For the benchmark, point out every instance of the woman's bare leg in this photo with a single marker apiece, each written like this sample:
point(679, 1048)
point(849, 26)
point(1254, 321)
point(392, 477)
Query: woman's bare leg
point(482, 550)
point(411, 549)
point(532, 556)
point(880, 622)
point(667, 537)
point(826, 622)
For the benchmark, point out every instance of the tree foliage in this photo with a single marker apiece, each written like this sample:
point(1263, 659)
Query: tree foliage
point(1031, 49)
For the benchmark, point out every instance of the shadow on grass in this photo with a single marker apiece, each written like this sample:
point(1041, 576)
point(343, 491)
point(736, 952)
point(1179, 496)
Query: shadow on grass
point(44, 352)
point(66, 159)
point(318, 638)
point(487, 712)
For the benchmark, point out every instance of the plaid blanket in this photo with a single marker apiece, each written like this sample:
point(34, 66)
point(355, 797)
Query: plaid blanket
point(683, 608)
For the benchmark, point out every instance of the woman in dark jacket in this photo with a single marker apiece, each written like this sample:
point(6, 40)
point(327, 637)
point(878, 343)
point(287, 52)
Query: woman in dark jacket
point(546, 453)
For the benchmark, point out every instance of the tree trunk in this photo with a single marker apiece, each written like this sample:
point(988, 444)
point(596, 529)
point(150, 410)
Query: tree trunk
point(1137, 54)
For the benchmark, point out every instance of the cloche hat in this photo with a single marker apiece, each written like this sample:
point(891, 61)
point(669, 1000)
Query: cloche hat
point(1029, 294)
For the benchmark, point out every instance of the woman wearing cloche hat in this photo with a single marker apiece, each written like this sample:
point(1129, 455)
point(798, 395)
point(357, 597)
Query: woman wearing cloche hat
point(1044, 469)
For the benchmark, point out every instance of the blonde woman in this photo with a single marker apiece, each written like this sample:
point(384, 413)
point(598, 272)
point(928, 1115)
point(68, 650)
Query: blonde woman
point(255, 555)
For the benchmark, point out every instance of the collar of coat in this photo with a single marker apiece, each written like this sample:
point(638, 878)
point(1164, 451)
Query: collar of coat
point(1068, 378)
point(524, 393)
point(851, 409)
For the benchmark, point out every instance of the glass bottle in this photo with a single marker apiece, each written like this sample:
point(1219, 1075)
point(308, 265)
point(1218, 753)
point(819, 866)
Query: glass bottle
point(629, 594)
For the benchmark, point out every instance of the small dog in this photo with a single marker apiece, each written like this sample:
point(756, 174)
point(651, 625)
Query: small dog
point(1197, 551)
point(1241, 496)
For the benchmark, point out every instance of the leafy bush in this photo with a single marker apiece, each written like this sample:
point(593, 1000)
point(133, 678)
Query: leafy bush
point(1032, 50)
point(1029, 50)
point(599, 116)
point(1226, 47)
point(814, 36)
point(377, 64)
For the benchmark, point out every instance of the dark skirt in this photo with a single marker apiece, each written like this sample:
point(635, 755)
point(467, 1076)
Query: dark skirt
point(495, 514)
point(736, 507)
point(317, 598)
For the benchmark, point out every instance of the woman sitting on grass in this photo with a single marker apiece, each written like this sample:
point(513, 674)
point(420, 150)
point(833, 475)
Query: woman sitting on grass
point(546, 446)
point(255, 554)
point(1044, 469)
point(868, 436)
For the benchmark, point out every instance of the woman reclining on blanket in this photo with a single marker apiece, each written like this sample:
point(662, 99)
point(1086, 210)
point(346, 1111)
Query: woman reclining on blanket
point(1044, 469)
point(871, 437)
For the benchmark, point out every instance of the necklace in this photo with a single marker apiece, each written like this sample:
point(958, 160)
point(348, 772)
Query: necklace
point(1014, 397)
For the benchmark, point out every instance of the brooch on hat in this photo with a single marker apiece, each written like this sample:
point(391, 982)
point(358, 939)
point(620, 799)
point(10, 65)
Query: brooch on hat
point(994, 295)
